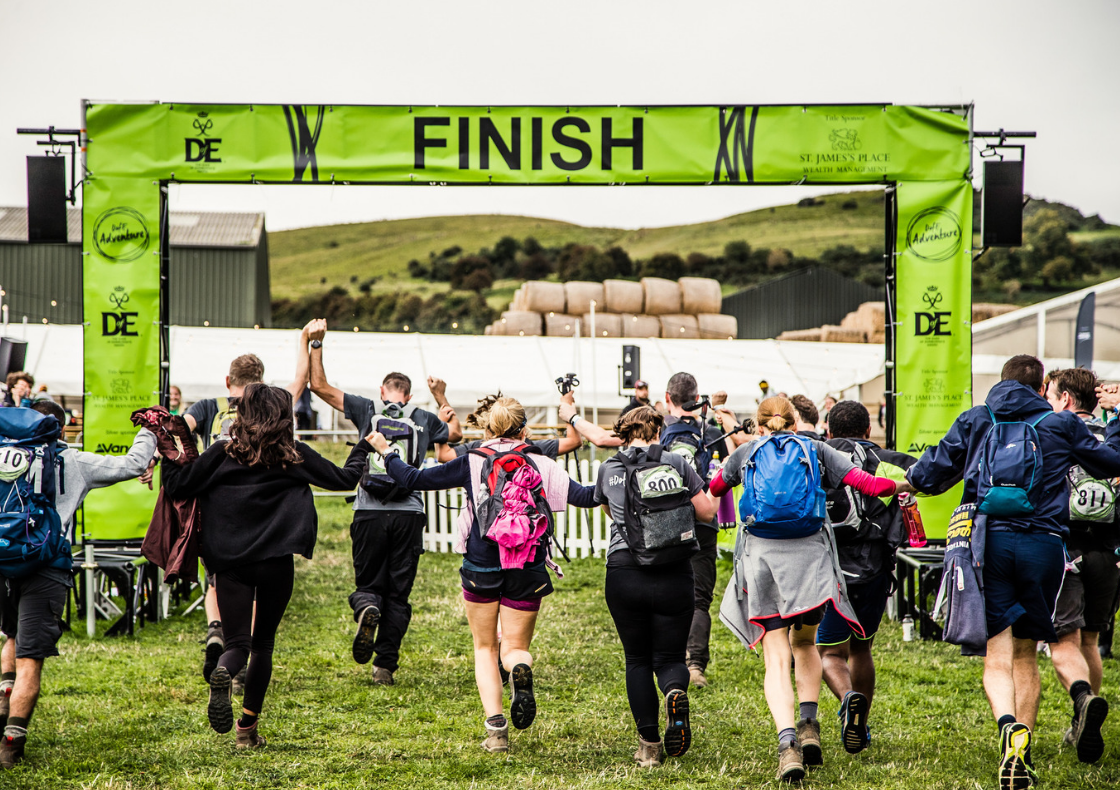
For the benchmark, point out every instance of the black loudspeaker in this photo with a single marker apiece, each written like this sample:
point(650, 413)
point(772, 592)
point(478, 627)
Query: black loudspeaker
point(1002, 213)
point(13, 355)
point(631, 366)
point(46, 199)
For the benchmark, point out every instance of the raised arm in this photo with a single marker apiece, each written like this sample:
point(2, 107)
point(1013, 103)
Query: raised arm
point(571, 440)
point(453, 474)
point(598, 436)
point(303, 364)
point(319, 385)
point(104, 470)
point(942, 466)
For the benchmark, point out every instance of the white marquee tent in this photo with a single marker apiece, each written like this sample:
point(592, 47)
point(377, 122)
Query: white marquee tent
point(474, 365)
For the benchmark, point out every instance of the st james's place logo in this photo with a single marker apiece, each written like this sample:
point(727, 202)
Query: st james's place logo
point(934, 235)
point(121, 235)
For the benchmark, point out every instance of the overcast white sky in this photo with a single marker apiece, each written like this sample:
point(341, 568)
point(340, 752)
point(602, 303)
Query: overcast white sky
point(1031, 65)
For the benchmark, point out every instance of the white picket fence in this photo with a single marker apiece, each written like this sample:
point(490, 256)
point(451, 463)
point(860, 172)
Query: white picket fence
point(579, 532)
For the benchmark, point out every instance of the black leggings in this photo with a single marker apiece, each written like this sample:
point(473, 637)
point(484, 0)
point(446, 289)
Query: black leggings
point(652, 610)
point(269, 582)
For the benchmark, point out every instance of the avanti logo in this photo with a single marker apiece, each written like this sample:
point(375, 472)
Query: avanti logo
point(121, 234)
point(111, 449)
point(934, 235)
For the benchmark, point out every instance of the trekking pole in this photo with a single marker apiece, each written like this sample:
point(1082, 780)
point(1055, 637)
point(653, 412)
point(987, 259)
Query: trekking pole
point(586, 518)
point(727, 435)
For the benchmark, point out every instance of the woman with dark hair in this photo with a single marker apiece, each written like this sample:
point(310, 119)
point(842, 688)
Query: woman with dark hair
point(504, 535)
point(649, 587)
point(257, 512)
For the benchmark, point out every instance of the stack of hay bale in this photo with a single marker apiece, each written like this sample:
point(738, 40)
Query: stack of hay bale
point(687, 308)
point(867, 324)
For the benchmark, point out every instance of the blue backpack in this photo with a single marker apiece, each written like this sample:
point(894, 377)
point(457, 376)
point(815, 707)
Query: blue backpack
point(684, 437)
point(1010, 468)
point(31, 536)
point(782, 493)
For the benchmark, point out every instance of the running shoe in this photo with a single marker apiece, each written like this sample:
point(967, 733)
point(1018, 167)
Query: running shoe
point(1016, 771)
point(382, 677)
point(791, 766)
point(497, 738)
point(249, 738)
point(1086, 733)
point(363, 640)
point(649, 755)
point(678, 733)
point(853, 722)
point(809, 736)
point(219, 710)
point(696, 677)
point(237, 687)
point(523, 705)
point(215, 646)
point(11, 750)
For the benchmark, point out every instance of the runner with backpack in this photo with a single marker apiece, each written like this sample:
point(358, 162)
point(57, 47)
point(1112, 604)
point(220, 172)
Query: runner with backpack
point(1091, 585)
point(687, 434)
point(257, 512)
point(1014, 453)
point(867, 530)
point(786, 566)
point(654, 499)
point(504, 533)
point(387, 532)
point(42, 484)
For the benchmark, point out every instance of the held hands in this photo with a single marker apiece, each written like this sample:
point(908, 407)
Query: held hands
point(719, 398)
point(903, 487)
point(725, 417)
point(146, 477)
point(316, 329)
point(1108, 396)
point(446, 413)
point(566, 411)
point(438, 387)
point(379, 442)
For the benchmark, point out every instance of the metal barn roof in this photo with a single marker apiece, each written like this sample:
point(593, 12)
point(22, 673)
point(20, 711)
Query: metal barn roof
point(188, 228)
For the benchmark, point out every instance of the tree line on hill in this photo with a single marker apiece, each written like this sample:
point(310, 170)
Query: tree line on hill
point(1049, 259)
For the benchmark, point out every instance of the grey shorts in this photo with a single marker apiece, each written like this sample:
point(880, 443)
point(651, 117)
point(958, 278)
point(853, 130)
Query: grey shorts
point(31, 613)
point(1089, 597)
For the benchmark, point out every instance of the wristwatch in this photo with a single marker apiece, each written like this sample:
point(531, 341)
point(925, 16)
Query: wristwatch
point(572, 420)
point(316, 343)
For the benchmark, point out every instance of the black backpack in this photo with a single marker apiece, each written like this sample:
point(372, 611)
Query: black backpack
point(395, 423)
point(659, 524)
point(855, 517)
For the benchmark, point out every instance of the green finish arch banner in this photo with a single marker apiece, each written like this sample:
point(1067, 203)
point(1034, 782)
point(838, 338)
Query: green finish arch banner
point(131, 149)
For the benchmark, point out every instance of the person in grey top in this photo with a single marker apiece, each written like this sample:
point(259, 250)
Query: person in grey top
point(30, 607)
point(387, 533)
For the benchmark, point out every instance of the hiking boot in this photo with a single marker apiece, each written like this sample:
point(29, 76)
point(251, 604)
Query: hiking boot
point(809, 736)
point(215, 646)
point(696, 677)
point(522, 705)
point(363, 640)
point(497, 739)
point(237, 687)
point(248, 738)
point(382, 677)
point(1015, 769)
point(1068, 739)
point(5, 706)
point(1086, 729)
point(219, 710)
point(791, 767)
point(11, 750)
point(853, 722)
point(678, 733)
point(649, 755)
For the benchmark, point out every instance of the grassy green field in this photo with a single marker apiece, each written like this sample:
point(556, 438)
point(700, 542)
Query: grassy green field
point(335, 253)
point(130, 713)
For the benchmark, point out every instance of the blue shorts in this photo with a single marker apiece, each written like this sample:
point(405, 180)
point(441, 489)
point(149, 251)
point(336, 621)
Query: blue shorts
point(869, 599)
point(1022, 578)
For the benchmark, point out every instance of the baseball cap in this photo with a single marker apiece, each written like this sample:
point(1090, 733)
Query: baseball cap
point(640, 384)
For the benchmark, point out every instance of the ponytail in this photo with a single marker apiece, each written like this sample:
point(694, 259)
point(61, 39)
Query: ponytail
point(776, 414)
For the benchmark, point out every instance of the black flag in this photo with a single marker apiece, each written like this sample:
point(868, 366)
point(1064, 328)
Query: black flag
point(1083, 340)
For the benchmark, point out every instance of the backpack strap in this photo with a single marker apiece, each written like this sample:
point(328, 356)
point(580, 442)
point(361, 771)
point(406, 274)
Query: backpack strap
point(1040, 419)
point(653, 452)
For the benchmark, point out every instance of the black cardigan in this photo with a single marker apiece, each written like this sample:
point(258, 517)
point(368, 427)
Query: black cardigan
point(253, 513)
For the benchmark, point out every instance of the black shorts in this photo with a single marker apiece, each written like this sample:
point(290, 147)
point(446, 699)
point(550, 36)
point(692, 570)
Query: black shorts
point(869, 600)
point(517, 588)
point(31, 613)
point(1089, 596)
point(811, 617)
point(1022, 576)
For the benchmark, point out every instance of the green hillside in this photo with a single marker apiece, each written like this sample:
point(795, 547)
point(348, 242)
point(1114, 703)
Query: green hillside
point(312, 260)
